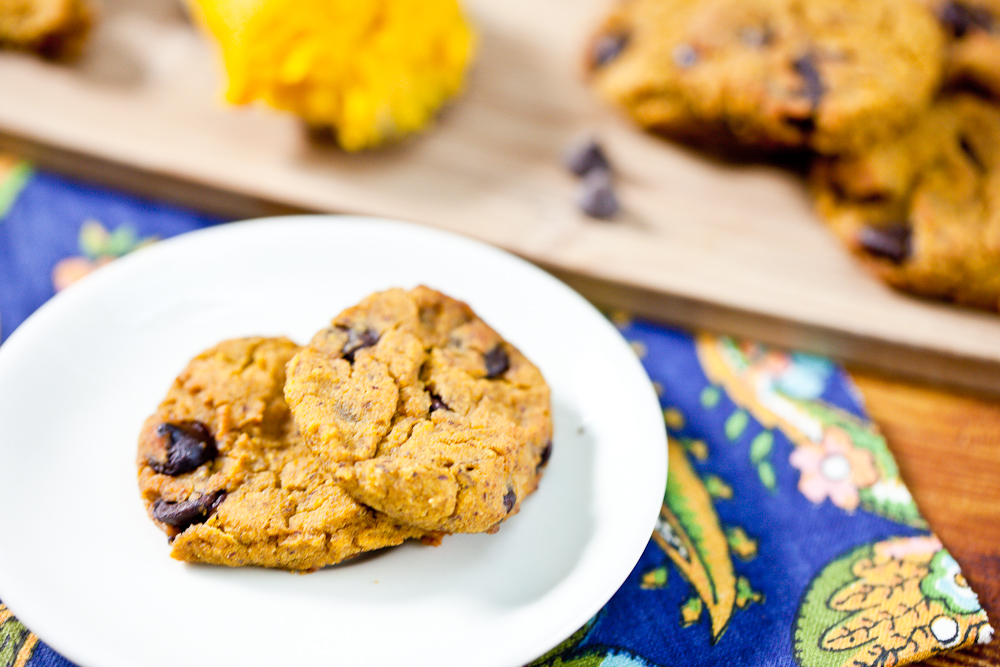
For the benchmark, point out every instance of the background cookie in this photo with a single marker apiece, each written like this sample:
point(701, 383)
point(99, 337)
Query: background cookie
point(831, 75)
point(223, 471)
point(423, 411)
point(973, 51)
point(53, 28)
point(923, 211)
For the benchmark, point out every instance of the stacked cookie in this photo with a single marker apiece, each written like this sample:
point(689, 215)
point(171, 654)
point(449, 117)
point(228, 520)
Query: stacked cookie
point(895, 99)
point(408, 417)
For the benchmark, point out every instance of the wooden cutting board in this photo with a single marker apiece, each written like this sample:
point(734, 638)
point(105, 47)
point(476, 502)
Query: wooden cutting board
point(724, 247)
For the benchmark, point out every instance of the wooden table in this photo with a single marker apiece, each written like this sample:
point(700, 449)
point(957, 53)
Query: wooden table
point(947, 445)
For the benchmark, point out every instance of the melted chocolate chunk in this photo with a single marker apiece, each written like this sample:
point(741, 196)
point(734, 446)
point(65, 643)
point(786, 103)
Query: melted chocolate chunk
point(595, 195)
point(805, 125)
point(357, 340)
point(509, 499)
point(970, 153)
point(756, 37)
point(187, 512)
point(812, 83)
point(546, 454)
point(892, 242)
point(189, 445)
point(497, 362)
point(582, 158)
point(608, 47)
point(960, 18)
point(437, 403)
point(684, 56)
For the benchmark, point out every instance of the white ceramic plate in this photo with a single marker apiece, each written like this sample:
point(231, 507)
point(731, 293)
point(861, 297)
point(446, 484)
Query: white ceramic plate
point(82, 566)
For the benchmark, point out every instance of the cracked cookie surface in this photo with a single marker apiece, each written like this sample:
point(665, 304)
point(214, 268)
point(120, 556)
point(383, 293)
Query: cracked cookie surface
point(422, 411)
point(923, 211)
point(830, 75)
point(224, 472)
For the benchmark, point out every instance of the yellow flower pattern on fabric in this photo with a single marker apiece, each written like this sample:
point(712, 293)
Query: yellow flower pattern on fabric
point(370, 71)
point(888, 603)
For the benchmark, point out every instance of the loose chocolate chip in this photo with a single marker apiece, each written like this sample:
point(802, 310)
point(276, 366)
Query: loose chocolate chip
point(497, 362)
point(437, 403)
point(608, 47)
point(546, 454)
point(189, 445)
point(595, 195)
point(812, 87)
point(186, 513)
point(585, 156)
point(961, 18)
point(684, 55)
point(892, 242)
point(357, 340)
point(509, 499)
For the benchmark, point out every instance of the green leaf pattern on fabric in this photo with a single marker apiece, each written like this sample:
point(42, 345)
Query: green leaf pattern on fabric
point(16, 642)
point(12, 181)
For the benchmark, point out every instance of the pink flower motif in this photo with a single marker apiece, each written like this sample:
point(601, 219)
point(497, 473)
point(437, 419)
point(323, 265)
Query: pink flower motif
point(834, 469)
point(902, 547)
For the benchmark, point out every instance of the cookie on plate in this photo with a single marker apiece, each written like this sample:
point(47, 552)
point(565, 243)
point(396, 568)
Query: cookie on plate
point(829, 75)
point(53, 28)
point(973, 51)
point(422, 411)
point(923, 211)
point(223, 470)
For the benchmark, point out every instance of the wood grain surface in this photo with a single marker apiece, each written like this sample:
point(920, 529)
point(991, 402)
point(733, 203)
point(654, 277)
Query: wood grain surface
point(947, 445)
point(704, 244)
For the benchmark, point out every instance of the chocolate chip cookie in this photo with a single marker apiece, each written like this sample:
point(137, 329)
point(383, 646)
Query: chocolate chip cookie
point(973, 47)
point(52, 28)
point(923, 211)
point(422, 411)
point(223, 470)
point(829, 75)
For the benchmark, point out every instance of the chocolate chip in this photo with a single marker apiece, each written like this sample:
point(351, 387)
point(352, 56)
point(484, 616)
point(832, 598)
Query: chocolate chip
point(543, 460)
point(806, 125)
point(186, 513)
point(189, 445)
point(684, 55)
point(595, 195)
point(812, 87)
point(509, 499)
point(585, 156)
point(357, 340)
point(437, 403)
point(892, 242)
point(608, 47)
point(756, 37)
point(497, 362)
point(961, 18)
point(970, 153)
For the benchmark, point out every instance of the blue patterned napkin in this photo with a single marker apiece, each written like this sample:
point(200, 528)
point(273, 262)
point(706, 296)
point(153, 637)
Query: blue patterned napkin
point(786, 536)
